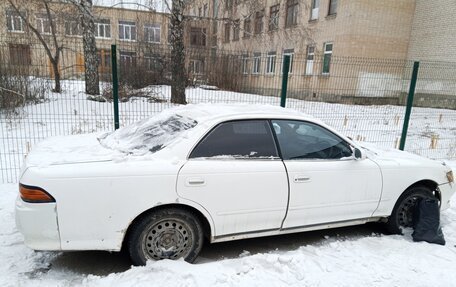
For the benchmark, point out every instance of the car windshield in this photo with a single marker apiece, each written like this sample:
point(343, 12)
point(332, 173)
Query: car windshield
point(149, 135)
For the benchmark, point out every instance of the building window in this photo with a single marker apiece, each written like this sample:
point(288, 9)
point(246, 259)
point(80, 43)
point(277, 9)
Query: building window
point(274, 17)
point(205, 10)
point(236, 30)
point(20, 55)
point(227, 32)
point(153, 63)
point(127, 31)
point(259, 22)
point(291, 17)
point(196, 67)
point(103, 28)
point(256, 63)
point(104, 60)
point(197, 36)
point(328, 49)
point(245, 64)
point(332, 7)
point(315, 9)
point(247, 28)
point(43, 25)
point(152, 33)
point(127, 59)
point(14, 22)
point(270, 62)
point(72, 28)
point(310, 60)
point(289, 52)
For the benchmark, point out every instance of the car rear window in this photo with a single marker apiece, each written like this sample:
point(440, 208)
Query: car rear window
point(149, 135)
point(238, 139)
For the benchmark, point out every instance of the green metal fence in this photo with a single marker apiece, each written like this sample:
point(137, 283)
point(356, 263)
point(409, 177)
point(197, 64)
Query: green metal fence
point(363, 98)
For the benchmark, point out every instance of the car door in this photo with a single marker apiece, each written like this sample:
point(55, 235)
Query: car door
point(327, 183)
point(235, 173)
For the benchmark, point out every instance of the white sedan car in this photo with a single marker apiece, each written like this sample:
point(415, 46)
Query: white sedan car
point(162, 186)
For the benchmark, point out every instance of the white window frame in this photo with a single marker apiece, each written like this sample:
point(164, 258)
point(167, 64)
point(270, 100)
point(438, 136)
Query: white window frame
point(196, 66)
point(289, 52)
point(127, 27)
point(102, 26)
point(40, 25)
point(271, 63)
point(325, 53)
point(11, 16)
point(315, 10)
point(310, 59)
point(127, 58)
point(155, 30)
point(256, 66)
point(245, 64)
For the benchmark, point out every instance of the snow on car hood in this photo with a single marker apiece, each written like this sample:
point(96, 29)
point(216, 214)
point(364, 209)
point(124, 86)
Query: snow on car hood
point(395, 155)
point(143, 138)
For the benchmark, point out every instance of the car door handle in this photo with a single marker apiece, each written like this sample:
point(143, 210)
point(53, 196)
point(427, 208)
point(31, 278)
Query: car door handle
point(298, 179)
point(195, 181)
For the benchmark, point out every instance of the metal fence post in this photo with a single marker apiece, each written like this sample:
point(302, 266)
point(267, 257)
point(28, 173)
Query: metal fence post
point(286, 68)
point(115, 86)
point(408, 110)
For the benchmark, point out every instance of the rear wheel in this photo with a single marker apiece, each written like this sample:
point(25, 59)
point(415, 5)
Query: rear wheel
point(166, 234)
point(402, 215)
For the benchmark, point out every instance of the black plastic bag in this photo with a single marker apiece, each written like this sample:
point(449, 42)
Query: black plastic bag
point(426, 221)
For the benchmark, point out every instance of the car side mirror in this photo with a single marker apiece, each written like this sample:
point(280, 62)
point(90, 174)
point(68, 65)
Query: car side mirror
point(358, 154)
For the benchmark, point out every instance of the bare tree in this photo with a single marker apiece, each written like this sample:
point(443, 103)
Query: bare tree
point(178, 72)
point(53, 49)
point(92, 80)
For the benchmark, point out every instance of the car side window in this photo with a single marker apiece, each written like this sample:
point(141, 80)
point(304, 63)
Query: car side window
point(304, 140)
point(238, 139)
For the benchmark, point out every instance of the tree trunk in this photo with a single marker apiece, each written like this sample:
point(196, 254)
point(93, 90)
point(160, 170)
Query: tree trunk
point(55, 70)
point(92, 81)
point(178, 73)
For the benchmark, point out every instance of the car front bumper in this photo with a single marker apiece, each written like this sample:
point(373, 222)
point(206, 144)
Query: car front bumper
point(38, 224)
point(447, 190)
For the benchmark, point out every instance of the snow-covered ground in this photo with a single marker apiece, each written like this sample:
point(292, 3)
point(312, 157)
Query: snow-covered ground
point(432, 132)
point(352, 256)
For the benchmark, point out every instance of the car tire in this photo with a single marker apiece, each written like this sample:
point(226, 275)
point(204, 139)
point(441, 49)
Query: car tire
point(402, 215)
point(165, 234)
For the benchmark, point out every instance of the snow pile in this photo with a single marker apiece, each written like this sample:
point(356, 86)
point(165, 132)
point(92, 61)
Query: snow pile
point(373, 260)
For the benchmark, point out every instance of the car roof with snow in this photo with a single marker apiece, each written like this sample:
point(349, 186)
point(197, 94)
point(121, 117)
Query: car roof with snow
point(155, 133)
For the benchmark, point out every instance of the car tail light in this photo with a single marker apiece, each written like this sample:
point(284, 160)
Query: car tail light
point(34, 194)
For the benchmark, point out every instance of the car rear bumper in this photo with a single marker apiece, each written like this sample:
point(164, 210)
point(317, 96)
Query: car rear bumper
point(446, 190)
point(38, 224)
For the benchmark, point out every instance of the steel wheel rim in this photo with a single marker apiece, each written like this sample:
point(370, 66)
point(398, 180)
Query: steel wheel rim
point(406, 210)
point(167, 239)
